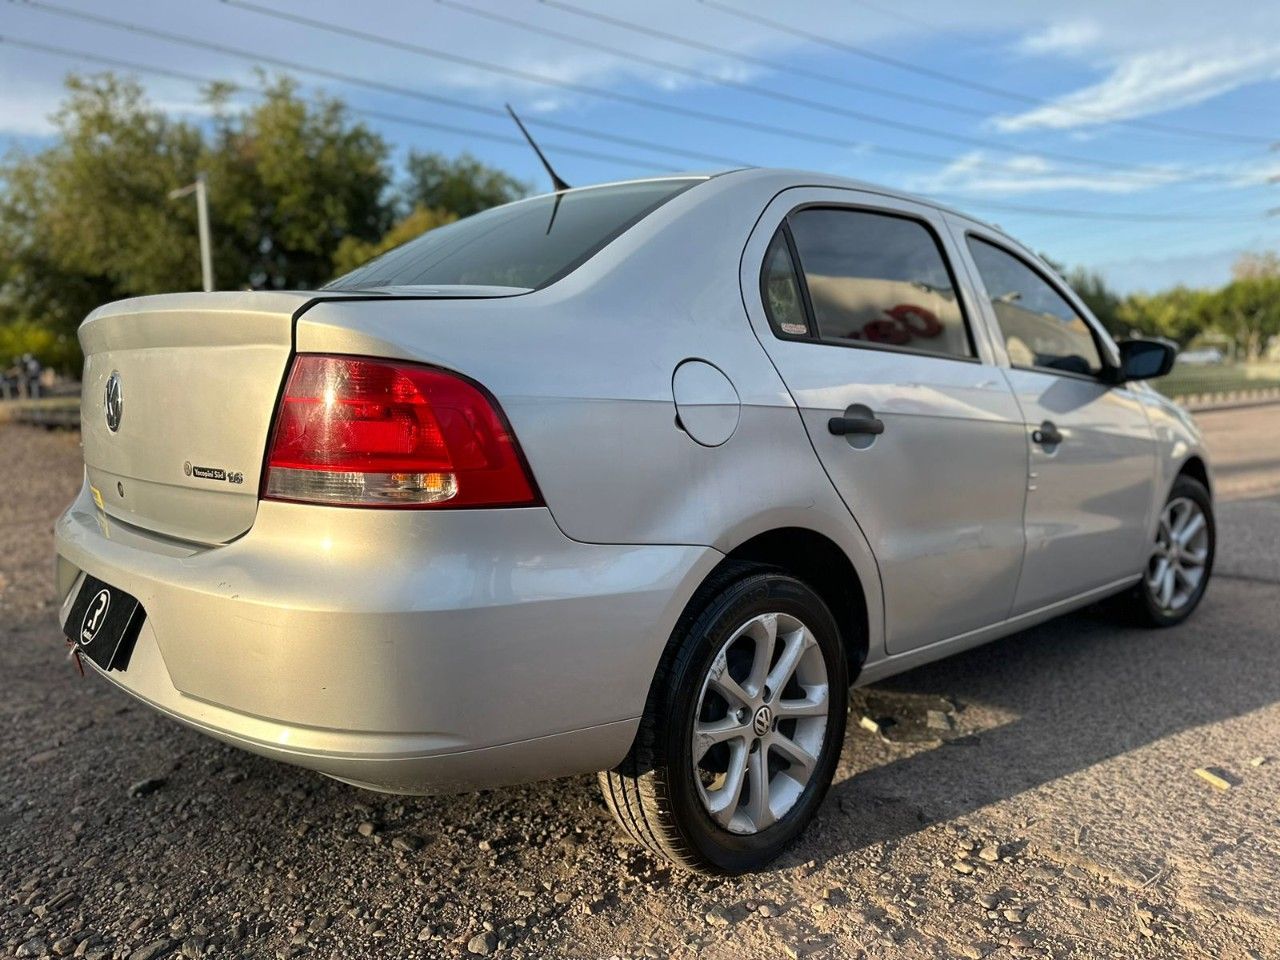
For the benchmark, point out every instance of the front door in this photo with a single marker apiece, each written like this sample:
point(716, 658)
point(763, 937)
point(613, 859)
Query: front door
point(918, 430)
point(1092, 455)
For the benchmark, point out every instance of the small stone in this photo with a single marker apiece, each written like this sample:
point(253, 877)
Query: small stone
point(1013, 914)
point(989, 901)
point(144, 788)
point(64, 946)
point(972, 951)
point(152, 950)
point(1075, 902)
point(595, 907)
point(193, 947)
point(938, 720)
point(767, 910)
point(990, 853)
point(792, 951)
point(1213, 778)
point(961, 866)
point(718, 917)
point(407, 843)
point(483, 944)
point(1257, 761)
point(366, 828)
point(30, 948)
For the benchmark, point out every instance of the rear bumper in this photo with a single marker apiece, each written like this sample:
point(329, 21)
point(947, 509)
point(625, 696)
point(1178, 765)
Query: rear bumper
point(409, 651)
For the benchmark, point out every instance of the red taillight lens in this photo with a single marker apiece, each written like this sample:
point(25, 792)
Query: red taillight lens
point(376, 433)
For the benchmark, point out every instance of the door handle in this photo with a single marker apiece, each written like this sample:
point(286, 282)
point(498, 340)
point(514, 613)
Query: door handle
point(1047, 435)
point(842, 426)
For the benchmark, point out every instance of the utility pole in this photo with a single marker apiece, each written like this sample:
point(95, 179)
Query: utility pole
point(202, 218)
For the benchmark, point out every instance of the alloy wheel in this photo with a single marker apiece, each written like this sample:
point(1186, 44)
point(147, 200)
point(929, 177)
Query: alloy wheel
point(1176, 568)
point(760, 723)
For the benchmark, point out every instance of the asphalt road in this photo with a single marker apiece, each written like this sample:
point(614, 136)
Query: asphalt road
point(1061, 818)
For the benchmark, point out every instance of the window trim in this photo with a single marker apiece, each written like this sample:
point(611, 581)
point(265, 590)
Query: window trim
point(1102, 376)
point(785, 230)
point(810, 313)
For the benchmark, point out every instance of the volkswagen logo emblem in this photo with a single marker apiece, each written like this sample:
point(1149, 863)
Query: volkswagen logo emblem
point(114, 402)
point(762, 722)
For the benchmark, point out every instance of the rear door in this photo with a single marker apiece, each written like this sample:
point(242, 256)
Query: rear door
point(856, 303)
point(1092, 454)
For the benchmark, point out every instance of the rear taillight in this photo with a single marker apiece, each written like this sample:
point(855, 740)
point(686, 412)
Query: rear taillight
point(365, 432)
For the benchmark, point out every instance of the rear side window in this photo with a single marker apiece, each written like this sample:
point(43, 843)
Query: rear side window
point(530, 243)
point(879, 279)
point(1040, 328)
point(780, 289)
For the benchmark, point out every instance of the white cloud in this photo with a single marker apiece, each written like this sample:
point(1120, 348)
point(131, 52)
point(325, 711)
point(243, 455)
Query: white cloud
point(1152, 82)
point(980, 173)
point(1067, 38)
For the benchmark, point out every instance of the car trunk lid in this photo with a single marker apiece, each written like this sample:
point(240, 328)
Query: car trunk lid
point(194, 380)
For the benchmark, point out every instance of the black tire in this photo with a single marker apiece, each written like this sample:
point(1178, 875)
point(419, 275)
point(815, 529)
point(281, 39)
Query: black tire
point(653, 793)
point(1141, 605)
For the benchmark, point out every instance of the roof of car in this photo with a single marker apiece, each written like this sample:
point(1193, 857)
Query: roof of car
point(784, 178)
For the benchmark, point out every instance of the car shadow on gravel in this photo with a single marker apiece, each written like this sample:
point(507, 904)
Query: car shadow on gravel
point(1080, 691)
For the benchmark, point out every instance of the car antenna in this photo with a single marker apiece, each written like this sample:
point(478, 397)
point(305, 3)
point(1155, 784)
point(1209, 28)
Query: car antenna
point(556, 182)
point(559, 185)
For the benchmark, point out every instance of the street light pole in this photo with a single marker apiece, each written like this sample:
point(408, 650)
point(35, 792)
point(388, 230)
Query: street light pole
point(202, 220)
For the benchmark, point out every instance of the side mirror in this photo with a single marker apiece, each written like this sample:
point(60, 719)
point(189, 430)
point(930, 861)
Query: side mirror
point(1145, 359)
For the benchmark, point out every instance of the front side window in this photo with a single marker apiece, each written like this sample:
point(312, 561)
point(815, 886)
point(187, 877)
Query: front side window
point(878, 279)
point(529, 243)
point(1040, 328)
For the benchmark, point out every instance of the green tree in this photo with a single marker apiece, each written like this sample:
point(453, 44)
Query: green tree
point(1178, 314)
point(1248, 308)
point(462, 185)
point(88, 220)
point(288, 180)
point(1102, 301)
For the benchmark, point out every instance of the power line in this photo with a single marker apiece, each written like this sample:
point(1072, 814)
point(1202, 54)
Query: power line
point(660, 106)
point(359, 111)
point(950, 106)
point(140, 30)
point(957, 80)
point(303, 68)
point(1072, 213)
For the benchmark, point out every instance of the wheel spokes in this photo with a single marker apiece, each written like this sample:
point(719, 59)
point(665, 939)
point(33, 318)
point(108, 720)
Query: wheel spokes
point(796, 643)
point(722, 803)
point(801, 760)
point(722, 683)
point(1193, 525)
point(764, 632)
point(757, 807)
point(814, 704)
point(707, 733)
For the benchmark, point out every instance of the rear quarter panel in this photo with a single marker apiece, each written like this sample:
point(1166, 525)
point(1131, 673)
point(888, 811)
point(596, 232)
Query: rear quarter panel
point(583, 370)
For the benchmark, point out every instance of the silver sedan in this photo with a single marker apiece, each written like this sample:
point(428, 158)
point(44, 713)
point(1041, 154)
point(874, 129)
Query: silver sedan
point(637, 478)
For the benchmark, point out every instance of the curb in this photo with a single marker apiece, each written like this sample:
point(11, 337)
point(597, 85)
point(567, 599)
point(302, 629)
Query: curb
point(1230, 400)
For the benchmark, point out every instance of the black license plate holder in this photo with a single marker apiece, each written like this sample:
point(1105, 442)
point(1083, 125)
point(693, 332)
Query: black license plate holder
point(104, 623)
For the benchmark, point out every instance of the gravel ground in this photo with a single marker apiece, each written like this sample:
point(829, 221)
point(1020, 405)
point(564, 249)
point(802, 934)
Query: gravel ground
point(1047, 807)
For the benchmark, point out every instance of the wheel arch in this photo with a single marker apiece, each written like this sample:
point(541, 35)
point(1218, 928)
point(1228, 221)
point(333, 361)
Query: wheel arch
point(1196, 468)
point(821, 563)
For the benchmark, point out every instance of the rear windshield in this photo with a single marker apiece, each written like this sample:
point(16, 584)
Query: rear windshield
point(530, 243)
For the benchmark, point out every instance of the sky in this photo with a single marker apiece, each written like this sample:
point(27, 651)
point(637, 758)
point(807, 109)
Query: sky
point(1138, 139)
